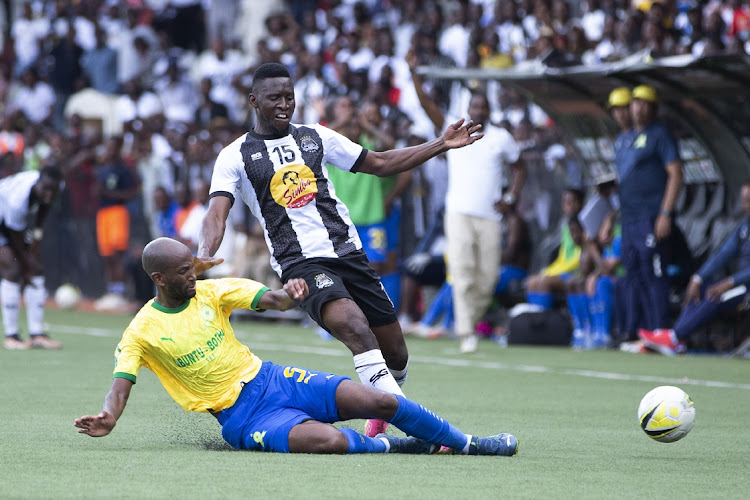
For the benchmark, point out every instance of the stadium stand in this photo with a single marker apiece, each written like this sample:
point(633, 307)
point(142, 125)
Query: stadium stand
point(700, 69)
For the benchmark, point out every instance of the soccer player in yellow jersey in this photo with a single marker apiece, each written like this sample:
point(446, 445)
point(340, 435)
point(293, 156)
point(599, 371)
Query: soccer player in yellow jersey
point(184, 336)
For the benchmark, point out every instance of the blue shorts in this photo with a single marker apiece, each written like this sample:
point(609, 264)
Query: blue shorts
point(374, 241)
point(508, 274)
point(276, 400)
point(392, 226)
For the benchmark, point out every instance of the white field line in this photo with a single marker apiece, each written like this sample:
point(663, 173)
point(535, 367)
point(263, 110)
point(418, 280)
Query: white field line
point(457, 362)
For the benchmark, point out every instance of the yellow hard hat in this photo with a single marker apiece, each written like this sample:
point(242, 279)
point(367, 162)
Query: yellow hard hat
point(645, 93)
point(619, 97)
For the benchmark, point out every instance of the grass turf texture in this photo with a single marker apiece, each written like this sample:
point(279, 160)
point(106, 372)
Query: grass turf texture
point(573, 412)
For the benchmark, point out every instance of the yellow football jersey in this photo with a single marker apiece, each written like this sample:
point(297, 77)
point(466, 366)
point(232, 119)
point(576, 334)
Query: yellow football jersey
point(192, 348)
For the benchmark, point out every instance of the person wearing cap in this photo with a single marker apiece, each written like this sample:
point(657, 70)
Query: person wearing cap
point(619, 106)
point(626, 301)
point(650, 179)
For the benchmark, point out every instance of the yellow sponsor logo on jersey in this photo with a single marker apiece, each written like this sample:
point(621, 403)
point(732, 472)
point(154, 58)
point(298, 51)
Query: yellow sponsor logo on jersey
point(258, 438)
point(294, 186)
point(190, 358)
point(199, 353)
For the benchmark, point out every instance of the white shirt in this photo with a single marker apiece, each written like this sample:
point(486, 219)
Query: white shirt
point(148, 105)
point(477, 173)
point(26, 32)
point(15, 191)
point(35, 102)
point(512, 39)
point(593, 25)
point(220, 71)
point(307, 90)
point(178, 98)
point(454, 42)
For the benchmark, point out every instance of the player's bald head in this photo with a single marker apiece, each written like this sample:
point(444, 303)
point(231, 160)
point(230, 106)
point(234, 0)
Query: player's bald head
point(162, 253)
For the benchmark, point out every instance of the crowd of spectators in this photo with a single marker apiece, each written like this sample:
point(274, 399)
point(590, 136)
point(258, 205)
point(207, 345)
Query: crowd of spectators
point(178, 74)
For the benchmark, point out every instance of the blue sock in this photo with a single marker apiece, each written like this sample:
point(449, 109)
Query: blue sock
point(359, 443)
point(437, 306)
point(582, 304)
point(416, 420)
point(543, 299)
point(392, 284)
point(448, 318)
point(595, 311)
point(575, 313)
point(605, 294)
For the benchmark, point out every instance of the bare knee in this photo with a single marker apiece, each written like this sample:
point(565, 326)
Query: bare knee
point(384, 406)
point(391, 342)
point(324, 439)
point(332, 443)
point(346, 321)
point(10, 270)
point(532, 284)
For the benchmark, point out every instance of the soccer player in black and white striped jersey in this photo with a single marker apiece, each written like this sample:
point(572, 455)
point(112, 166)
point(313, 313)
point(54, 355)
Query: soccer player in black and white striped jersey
point(280, 171)
point(25, 199)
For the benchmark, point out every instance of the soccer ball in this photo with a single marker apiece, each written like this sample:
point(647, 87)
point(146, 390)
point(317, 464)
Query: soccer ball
point(67, 296)
point(666, 414)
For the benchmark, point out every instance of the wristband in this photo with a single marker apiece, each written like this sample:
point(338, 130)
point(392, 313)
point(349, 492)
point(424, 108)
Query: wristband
point(696, 279)
point(509, 198)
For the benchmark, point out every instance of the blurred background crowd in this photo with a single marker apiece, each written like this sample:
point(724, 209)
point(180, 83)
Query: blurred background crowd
point(154, 89)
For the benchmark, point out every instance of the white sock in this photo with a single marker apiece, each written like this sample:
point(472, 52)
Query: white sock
point(34, 296)
point(465, 450)
point(387, 444)
point(401, 375)
point(372, 371)
point(10, 297)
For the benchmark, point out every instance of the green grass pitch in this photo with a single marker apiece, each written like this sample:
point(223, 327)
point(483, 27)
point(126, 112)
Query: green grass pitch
point(573, 412)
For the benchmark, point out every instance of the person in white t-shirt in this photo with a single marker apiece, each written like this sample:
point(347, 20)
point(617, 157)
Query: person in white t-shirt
point(34, 97)
point(476, 178)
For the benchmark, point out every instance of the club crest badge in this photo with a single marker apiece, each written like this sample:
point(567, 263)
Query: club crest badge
point(323, 281)
point(307, 144)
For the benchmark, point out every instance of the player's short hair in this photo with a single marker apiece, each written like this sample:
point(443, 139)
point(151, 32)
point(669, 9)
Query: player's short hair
point(269, 70)
point(577, 192)
point(51, 172)
point(481, 94)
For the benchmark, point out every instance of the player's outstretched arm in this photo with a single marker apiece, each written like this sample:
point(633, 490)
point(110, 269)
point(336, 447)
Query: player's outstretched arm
point(293, 291)
point(212, 230)
point(114, 404)
point(395, 161)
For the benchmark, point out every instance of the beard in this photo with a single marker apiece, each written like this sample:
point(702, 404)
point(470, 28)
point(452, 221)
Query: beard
point(181, 292)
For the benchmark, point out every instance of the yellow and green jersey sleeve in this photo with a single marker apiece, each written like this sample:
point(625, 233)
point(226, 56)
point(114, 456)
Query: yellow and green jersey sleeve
point(192, 348)
point(568, 258)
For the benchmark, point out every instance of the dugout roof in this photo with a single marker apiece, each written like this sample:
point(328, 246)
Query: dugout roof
point(704, 100)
